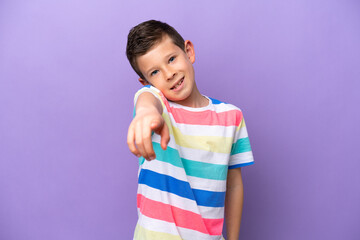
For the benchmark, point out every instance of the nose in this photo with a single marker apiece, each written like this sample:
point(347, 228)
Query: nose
point(169, 73)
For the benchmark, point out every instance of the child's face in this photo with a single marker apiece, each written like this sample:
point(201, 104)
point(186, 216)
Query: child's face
point(170, 69)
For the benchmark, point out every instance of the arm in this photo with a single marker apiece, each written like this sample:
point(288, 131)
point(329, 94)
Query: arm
point(233, 203)
point(147, 119)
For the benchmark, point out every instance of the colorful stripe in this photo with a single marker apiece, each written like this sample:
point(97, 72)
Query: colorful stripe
point(215, 101)
point(241, 145)
point(207, 117)
point(180, 202)
point(143, 233)
point(192, 168)
point(219, 144)
point(207, 143)
point(240, 165)
point(181, 188)
point(180, 217)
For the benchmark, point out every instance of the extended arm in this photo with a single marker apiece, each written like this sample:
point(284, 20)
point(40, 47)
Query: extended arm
point(233, 203)
point(147, 119)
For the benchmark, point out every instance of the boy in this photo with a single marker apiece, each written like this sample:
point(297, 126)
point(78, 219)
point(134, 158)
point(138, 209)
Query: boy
point(191, 147)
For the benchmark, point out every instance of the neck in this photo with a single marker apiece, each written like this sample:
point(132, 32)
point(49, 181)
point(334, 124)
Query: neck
point(196, 100)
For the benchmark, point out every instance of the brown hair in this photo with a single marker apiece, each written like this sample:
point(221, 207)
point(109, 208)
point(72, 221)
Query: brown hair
point(144, 36)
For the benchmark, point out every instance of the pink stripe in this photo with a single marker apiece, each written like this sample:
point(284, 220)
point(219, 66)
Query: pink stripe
point(181, 218)
point(207, 117)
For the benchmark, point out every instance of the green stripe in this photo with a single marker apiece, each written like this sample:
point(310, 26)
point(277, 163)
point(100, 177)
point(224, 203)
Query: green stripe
point(192, 168)
point(205, 170)
point(170, 155)
point(141, 160)
point(242, 145)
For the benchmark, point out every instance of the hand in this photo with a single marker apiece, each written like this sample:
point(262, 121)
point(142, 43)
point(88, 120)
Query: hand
point(139, 133)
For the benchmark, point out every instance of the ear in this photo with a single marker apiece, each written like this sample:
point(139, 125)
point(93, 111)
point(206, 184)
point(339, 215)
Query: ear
point(144, 82)
point(189, 49)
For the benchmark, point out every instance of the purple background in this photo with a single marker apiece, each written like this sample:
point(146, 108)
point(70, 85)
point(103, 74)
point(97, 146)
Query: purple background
point(66, 95)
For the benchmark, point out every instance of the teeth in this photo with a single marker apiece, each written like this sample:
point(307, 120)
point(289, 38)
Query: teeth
point(178, 84)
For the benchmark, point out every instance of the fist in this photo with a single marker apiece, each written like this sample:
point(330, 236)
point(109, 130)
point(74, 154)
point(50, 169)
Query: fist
point(139, 134)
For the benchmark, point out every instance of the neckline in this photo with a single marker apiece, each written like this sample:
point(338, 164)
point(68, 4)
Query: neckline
point(193, 109)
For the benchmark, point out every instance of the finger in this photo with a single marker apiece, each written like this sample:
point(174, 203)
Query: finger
point(131, 139)
point(139, 140)
point(155, 125)
point(165, 136)
point(147, 141)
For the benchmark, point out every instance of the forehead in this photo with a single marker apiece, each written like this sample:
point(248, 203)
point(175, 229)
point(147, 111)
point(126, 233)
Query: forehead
point(157, 53)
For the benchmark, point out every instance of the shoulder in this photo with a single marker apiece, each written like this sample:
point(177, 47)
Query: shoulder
point(227, 110)
point(148, 88)
point(222, 106)
point(154, 91)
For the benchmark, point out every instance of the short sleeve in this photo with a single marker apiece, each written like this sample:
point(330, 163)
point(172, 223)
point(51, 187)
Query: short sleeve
point(154, 91)
point(241, 153)
point(148, 88)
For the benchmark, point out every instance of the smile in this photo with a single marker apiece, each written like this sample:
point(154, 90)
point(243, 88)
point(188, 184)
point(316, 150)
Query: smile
point(178, 86)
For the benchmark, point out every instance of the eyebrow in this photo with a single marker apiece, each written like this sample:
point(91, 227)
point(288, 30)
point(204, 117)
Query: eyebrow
point(168, 56)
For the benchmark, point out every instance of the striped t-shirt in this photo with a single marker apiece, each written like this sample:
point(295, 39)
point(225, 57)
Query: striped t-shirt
point(181, 194)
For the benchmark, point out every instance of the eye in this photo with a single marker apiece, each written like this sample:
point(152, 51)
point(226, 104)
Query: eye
point(171, 59)
point(154, 72)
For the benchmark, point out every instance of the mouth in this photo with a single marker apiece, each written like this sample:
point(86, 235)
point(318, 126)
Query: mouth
point(178, 84)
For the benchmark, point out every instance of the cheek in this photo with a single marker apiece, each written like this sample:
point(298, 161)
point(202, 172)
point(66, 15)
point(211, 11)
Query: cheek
point(183, 65)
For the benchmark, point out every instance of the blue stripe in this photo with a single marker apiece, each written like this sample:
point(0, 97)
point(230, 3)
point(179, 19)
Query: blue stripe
point(208, 198)
point(165, 183)
point(181, 188)
point(241, 165)
point(215, 101)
